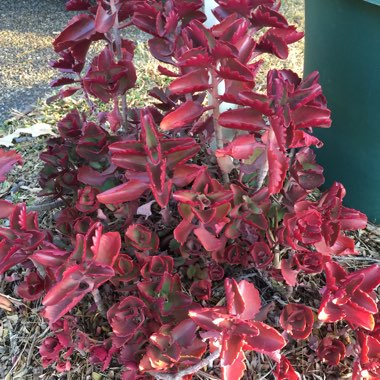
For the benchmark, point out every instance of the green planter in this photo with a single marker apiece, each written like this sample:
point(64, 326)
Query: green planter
point(343, 44)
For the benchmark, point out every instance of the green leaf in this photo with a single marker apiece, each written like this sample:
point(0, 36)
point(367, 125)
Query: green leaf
point(191, 271)
point(174, 245)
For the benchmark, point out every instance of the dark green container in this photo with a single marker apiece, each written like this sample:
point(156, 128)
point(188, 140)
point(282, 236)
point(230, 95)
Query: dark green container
point(343, 44)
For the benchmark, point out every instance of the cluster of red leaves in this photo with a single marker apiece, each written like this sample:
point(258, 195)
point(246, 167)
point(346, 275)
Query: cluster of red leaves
point(152, 279)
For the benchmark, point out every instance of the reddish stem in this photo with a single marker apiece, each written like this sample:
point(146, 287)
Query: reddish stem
point(215, 113)
point(117, 41)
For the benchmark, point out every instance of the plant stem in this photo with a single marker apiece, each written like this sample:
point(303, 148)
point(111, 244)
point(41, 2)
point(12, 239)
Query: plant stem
point(276, 261)
point(99, 302)
point(288, 180)
point(215, 114)
point(117, 40)
point(190, 370)
point(89, 102)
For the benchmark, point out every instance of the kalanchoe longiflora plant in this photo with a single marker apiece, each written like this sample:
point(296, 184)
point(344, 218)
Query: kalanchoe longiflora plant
point(233, 329)
point(164, 202)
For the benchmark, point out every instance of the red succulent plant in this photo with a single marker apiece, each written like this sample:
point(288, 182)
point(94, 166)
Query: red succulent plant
point(107, 78)
point(321, 224)
point(86, 269)
point(350, 296)
point(262, 255)
point(331, 351)
point(127, 317)
point(200, 194)
point(233, 327)
point(297, 320)
point(368, 364)
point(285, 371)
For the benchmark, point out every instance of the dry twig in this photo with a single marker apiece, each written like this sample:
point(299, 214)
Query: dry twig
point(190, 370)
point(46, 206)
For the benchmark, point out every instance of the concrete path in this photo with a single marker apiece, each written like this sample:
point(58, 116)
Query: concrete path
point(27, 29)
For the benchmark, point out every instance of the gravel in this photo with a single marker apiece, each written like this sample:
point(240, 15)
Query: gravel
point(27, 29)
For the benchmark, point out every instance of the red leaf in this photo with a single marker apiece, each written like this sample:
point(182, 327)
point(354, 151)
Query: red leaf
point(209, 318)
point(49, 258)
point(311, 116)
point(150, 138)
point(247, 119)
point(331, 351)
point(257, 101)
point(342, 246)
point(183, 115)
point(262, 255)
point(301, 139)
point(370, 348)
point(183, 175)
point(265, 16)
point(371, 277)
point(231, 348)
point(165, 71)
point(235, 301)
point(193, 81)
point(297, 320)
point(285, 371)
point(81, 27)
point(201, 289)
point(89, 176)
point(352, 220)
point(62, 81)
point(76, 282)
point(231, 68)
point(130, 159)
point(127, 316)
point(306, 171)
point(289, 274)
point(289, 34)
point(104, 21)
point(236, 370)
point(184, 333)
point(208, 240)
point(308, 90)
point(108, 248)
point(161, 49)
point(126, 192)
point(187, 196)
point(6, 208)
point(142, 238)
point(242, 147)
point(7, 160)
point(180, 154)
point(243, 299)
point(162, 196)
point(278, 165)
point(267, 340)
point(273, 44)
point(66, 92)
point(195, 57)
point(329, 312)
point(77, 5)
point(182, 231)
point(358, 317)
point(32, 287)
